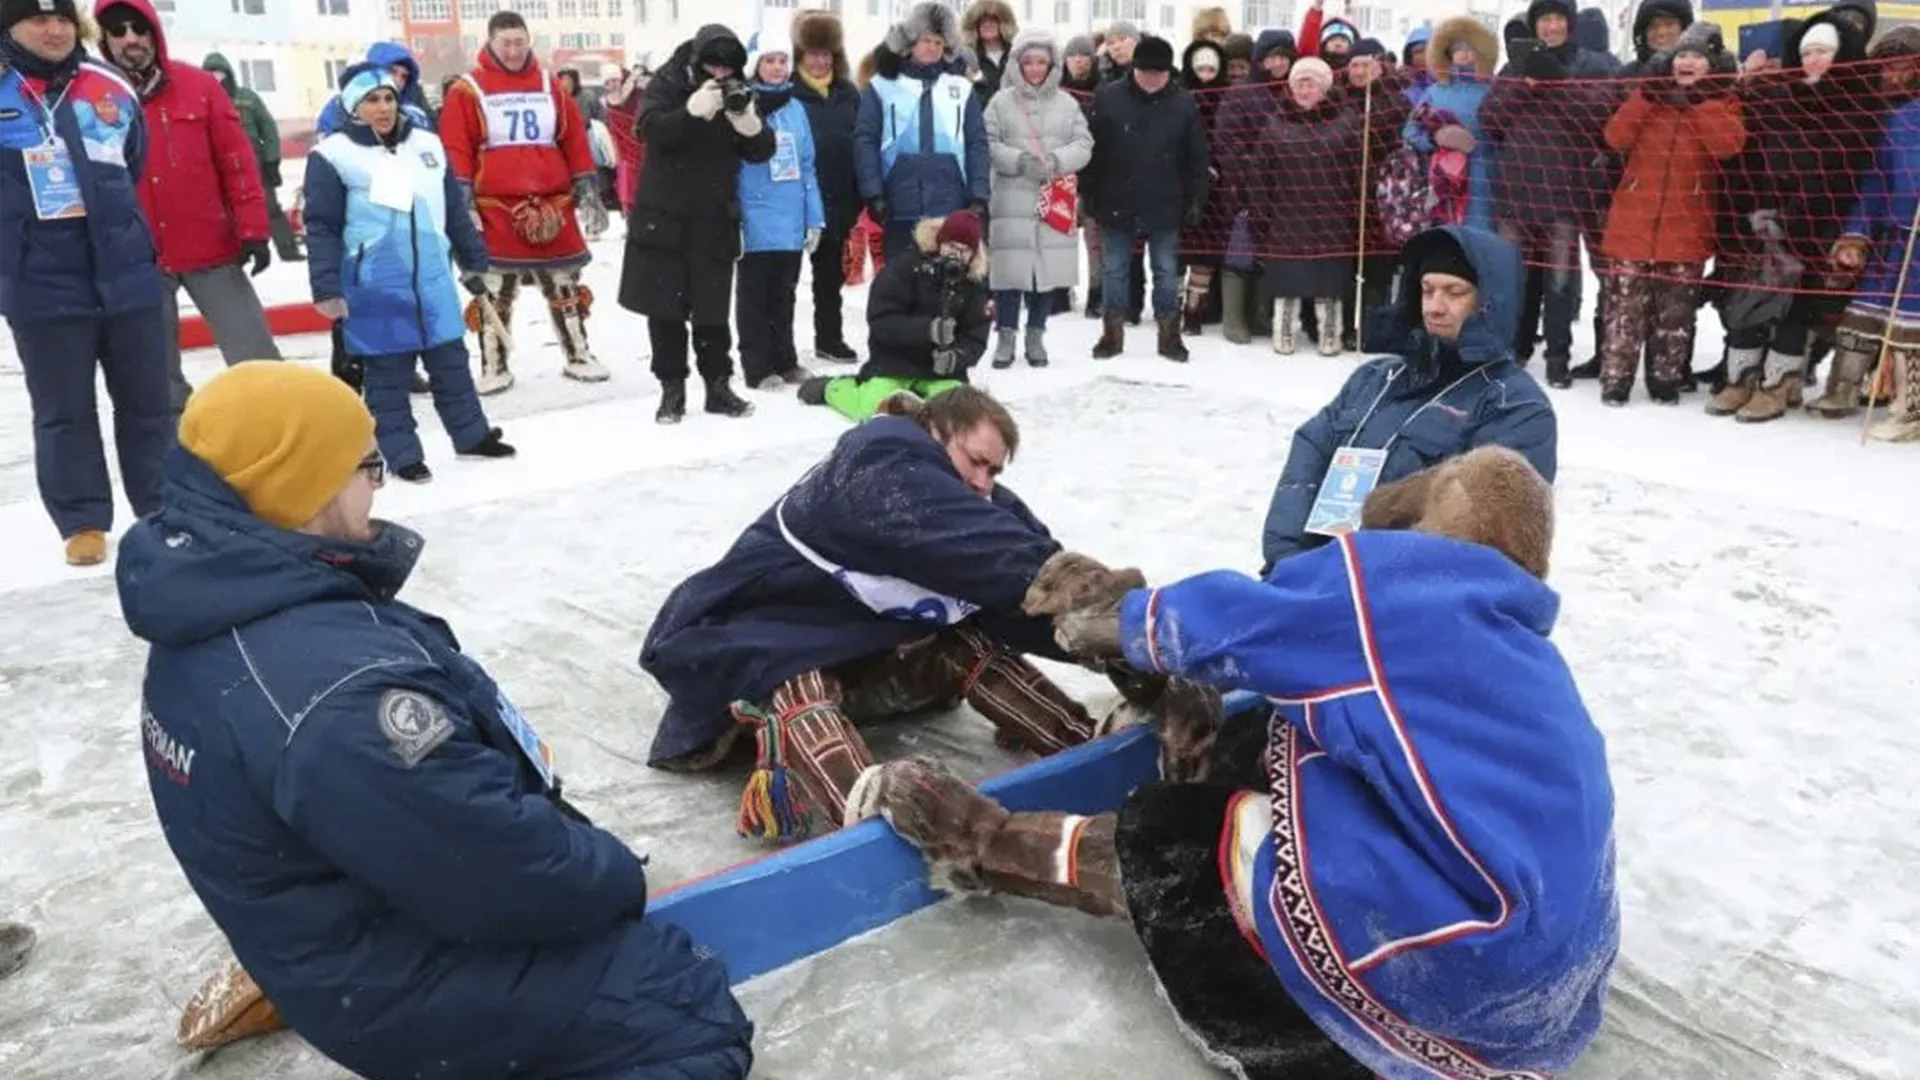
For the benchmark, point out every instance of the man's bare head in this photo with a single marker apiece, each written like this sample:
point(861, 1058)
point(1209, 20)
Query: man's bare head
point(1490, 496)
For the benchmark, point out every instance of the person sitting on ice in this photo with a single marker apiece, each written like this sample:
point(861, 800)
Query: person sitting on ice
point(886, 581)
point(1449, 384)
point(927, 321)
point(1405, 868)
point(375, 828)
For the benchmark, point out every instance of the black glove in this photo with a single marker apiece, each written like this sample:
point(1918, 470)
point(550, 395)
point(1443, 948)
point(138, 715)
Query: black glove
point(877, 210)
point(259, 253)
point(474, 283)
point(1191, 218)
point(270, 175)
point(1543, 65)
point(940, 331)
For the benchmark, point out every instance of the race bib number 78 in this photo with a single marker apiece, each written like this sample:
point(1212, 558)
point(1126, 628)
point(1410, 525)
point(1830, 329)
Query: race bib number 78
point(521, 119)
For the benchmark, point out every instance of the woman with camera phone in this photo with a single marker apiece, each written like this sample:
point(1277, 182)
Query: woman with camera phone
point(699, 122)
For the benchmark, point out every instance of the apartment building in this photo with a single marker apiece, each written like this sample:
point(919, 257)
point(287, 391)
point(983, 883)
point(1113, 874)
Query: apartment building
point(590, 35)
point(290, 52)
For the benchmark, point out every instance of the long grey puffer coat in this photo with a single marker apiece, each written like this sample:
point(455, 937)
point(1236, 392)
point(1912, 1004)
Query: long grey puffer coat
point(1027, 254)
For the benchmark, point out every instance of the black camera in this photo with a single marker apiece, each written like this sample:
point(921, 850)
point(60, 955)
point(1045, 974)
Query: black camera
point(736, 93)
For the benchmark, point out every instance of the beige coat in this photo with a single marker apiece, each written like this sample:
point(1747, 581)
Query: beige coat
point(1029, 255)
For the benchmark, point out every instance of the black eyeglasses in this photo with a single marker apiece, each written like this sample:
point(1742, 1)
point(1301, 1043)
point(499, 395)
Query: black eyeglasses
point(375, 467)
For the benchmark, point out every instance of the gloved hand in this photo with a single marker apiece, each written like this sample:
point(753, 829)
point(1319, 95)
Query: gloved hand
point(746, 123)
point(706, 101)
point(586, 203)
point(813, 241)
point(1070, 580)
point(260, 253)
point(1031, 164)
point(1090, 633)
point(474, 282)
point(1766, 224)
point(333, 307)
point(473, 209)
point(877, 210)
point(946, 361)
point(1543, 66)
point(1455, 137)
point(940, 331)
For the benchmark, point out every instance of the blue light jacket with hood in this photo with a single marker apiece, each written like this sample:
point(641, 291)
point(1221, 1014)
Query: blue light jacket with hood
point(920, 141)
point(1429, 400)
point(1433, 877)
point(413, 100)
point(426, 910)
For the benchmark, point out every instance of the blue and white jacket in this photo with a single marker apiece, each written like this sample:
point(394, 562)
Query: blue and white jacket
point(780, 197)
point(1435, 882)
point(920, 141)
point(390, 265)
point(413, 100)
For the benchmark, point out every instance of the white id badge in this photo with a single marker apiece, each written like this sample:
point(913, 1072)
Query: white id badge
point(1350, 478)
point(56, 187)
point(391, 186)
point(785, 165)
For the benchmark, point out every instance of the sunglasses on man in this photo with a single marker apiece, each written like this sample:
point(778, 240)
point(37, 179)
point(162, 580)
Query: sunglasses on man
point(125, 25)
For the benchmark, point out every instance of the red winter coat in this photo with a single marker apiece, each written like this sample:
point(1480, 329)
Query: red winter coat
point(201, 188)
point(512, 167)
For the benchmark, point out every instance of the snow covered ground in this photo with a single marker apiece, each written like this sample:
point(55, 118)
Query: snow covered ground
point(1738, 607)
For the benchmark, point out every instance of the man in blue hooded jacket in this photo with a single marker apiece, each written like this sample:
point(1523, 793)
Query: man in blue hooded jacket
point(1450, 385)
point(1404, 868)
point(375, 828)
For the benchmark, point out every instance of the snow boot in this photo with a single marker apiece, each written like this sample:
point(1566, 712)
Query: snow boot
point(1171, 347)
point(1113, 337)
point(1903, 421)
point(722, 401)
point(813, 391)
point(1036, 347)
point(1328, 314)
point(1286, 326)
point(1743, 380)
point(1588, 370)
point(88, 547)
point(416, 473)
point(16, 944)
point(1559, 375)
point(1003, 350)
point(1193, 314)
point(796, 375)
point(673, 402)
point(1233, 309)
point(835, 352)
point(1841, 398)
point(490, 446)
point(228, 1007)
point(1781, 377)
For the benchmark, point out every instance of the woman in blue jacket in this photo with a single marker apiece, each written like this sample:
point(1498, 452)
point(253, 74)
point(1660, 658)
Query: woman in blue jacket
point(781, 217)
point(79, 286)
point(383, 215)
point(1450, 386)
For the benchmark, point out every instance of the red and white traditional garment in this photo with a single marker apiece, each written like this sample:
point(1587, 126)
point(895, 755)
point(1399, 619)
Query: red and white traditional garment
point(519, 140)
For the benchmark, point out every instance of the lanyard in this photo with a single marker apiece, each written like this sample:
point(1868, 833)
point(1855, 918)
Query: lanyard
point(1377, 398)
point(46, 111)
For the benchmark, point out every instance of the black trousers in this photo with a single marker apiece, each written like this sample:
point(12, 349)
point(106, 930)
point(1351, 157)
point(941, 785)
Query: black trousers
point(763, 313)
point(829, 279)
point(712, 348)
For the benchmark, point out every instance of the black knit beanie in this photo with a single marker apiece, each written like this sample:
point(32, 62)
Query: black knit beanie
point(1444, 255)
point(16, 11)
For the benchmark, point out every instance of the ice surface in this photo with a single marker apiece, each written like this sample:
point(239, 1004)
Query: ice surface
point(1738, 608)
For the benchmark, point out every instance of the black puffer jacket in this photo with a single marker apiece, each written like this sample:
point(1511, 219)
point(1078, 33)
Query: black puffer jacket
point(1150, 157)
point(905, 299)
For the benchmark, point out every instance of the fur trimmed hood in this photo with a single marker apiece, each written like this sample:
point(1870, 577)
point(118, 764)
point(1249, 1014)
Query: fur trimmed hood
point(1013, 81)
point(980, 10)
point(821, 31)
point(1462, 28)
point(926, 237)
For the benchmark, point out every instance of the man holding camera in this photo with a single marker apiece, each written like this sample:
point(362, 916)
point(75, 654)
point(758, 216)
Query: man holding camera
point(517, 142)
point(927, 320)
point(699, 122)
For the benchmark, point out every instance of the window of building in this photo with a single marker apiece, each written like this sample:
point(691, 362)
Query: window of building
point(394, 14)
point(469, 44)
point(1256, 15)
point(1063, 11)
point(249, 7)
point(1103, 9)
point(781, 3)
point(1134, 11)
point(617, 9)
point(164, 7)
point(1166, 16)
point(431, 10)
point(336, 69)
point(536, 9)
point(332, 7)
point(590, 9)
point(257, 75)
point(569, 9)
point(616, 40)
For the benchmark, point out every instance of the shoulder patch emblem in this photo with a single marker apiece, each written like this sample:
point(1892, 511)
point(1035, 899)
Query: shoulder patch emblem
point(429, 159)
point(414, 724)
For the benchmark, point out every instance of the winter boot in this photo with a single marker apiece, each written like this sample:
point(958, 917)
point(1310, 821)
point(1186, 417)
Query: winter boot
point(1781, 379)
point(88, 547)
point(722, 401)
point(1113, 337)
point(1588, 370)
point(1903, 420)
point(1171, 347)
point(1743, 380)
point(813, 391)
point(796, 375)
point(1286, 326)
point(490, 446)
point(971, 842)
point(1842, 396)
point(1003, 350)
point(1328, 313)
point(835, 352)
point(228, 1007)
point(1036, 347)
point(673, 402)
point(16, 944)
point(568, 305)
point(1559, 375)
point(1193, 313)
point(416, 473)
point(495, 376)
point(1233, 309)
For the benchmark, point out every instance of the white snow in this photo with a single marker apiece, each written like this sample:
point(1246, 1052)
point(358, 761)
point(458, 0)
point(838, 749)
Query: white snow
point(1738, 605)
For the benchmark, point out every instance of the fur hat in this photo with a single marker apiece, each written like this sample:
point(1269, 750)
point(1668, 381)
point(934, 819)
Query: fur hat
point(821, 31)
point(1211, 21)
point(1153, 54)
point(1897, 42)
point(1490, 496)
point(1237, 47)
point(1121, 28)
point(980, 11)
point(1078, 45)
point(930, 18)
point(1461, 28)
point(1703, 38)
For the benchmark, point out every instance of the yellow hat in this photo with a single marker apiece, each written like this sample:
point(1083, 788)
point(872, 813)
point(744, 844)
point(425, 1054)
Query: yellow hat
point(285, 436)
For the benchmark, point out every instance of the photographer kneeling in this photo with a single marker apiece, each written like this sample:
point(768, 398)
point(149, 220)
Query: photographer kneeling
point(927, 321)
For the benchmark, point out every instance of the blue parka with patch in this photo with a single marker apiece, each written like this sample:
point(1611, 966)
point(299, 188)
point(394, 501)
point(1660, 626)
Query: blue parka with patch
point(391, 266)
point(406, 887)
point(1430, 400)
point(413, 100)
point(890, 515)
point(99, 264)
point(920, 141)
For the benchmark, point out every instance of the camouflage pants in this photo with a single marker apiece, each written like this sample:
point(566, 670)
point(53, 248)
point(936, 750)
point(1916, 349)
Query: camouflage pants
point(1651, 307)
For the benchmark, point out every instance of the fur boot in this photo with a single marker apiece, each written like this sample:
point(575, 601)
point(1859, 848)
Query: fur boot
point(1743, 379)
point(1781, 376)
point(1286, 326)
point(1903, 420)
point(496, 352)
point(1841, 398)
point(1328, 313)
point(569, 305)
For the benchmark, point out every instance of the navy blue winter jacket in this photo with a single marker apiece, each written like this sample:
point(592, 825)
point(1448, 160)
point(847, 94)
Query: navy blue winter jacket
point(1428, 402)
point(886, 502)
point(342, 790)
point(920, 141)
point(102, 263)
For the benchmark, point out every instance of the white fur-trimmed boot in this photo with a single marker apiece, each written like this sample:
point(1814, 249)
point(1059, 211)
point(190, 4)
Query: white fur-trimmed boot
point(1286, 326)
